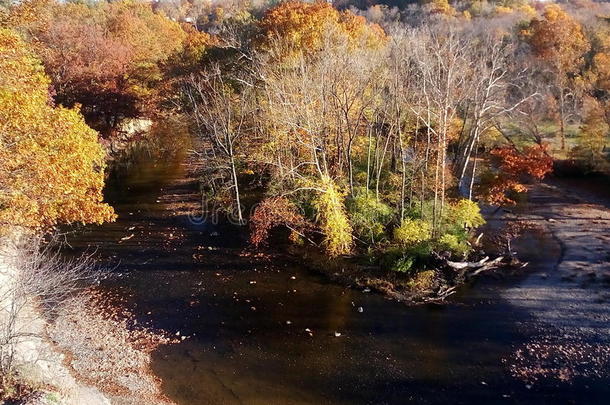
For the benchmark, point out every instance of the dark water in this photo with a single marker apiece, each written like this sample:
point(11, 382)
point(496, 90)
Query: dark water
point(246, 318)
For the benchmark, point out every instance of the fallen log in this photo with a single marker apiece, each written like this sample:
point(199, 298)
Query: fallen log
point(488, 266)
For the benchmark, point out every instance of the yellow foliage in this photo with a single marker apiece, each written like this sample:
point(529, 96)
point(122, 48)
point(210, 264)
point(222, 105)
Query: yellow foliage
point(502, 10)
point(589, 150)
point(422, 281)
point(439, 7)
point(465, 213)
point(454, 244)
point(527, 10)
point(51, 164)
point(413, 231)
point(332, 216)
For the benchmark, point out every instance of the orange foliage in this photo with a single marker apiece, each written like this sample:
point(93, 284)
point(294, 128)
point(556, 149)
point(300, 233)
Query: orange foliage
point(558, 38)
point(51, 164)
point(515, 167)
point(303, 26)
point(104, 56)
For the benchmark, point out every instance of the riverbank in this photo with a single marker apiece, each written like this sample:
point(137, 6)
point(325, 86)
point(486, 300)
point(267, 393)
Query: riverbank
point(80, 351)
point(38, 371)
point(103, 348)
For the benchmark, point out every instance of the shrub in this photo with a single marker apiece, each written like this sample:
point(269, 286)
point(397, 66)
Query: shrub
point(333, 219)
point(368, 215)
point(412, 231)
point(423, 281)
point(273, 212)
point(466, 214)
point(404, 264)
point(406, 260)
point(453, 243)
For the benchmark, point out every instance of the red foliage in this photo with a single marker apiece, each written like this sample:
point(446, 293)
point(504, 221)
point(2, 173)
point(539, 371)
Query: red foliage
point(273, 212)
point(515, 167)
point(532, 161)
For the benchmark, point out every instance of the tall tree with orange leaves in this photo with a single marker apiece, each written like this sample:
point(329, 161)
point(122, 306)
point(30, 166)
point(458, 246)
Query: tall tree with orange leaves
point(559, 40)
point(105, 56)
point(302, 27)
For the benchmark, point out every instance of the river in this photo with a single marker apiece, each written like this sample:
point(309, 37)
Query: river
point(268, 332)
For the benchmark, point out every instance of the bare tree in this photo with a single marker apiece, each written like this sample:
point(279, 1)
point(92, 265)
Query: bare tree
point(497, 90)
point(221, 107)
point(439, 72)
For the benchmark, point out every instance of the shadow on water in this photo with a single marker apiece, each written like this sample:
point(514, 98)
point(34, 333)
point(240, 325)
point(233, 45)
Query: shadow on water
point(267, 333)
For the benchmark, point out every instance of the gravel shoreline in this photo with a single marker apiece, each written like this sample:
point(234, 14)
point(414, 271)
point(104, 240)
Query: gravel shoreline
point(570, 303)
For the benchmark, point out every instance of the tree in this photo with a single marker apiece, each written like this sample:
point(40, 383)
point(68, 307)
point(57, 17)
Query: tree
point(303, 26)
point(497, 90)
point(559, 40)
point(51, 164)
point(104, 56)
point(438, 7)
point(441, 70)
point(513, 168)
point(591, 145)
point(333, 220)
point(221, 109)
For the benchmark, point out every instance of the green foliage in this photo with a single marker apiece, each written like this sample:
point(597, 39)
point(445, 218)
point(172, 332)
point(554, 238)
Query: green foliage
point(403, 265)
point(368, 216)
point(412, 231)
point(589, 152)
point(406, 260)
point(332, 217)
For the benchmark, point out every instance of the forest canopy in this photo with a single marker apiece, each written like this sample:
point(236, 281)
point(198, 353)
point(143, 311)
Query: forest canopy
point(365, 128)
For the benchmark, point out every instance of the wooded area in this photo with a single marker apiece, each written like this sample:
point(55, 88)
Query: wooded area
point(372, 134)
point(369, 133)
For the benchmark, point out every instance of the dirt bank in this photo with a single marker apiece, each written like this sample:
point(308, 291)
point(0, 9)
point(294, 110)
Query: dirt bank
point(38, 367)
point(82, 351)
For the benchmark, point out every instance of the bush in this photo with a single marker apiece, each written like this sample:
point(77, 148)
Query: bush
point(412, 231)
point(403, 265)
point(423, 281)
point(333, 220)
point(454, 244)
point(406, 260)
point(466, 214)
point(389, 257)
point(369, 216)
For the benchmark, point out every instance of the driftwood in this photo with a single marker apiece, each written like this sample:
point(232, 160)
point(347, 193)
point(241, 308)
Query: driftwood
point(441, 295)
point(462, 269)
point(480, 266)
